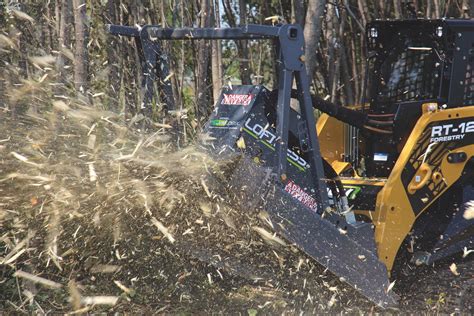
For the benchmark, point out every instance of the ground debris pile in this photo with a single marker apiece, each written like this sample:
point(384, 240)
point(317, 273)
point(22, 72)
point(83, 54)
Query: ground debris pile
point(97, 215)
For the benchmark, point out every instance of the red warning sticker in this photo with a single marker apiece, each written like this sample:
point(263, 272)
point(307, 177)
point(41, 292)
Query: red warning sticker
point(298, 193)
point(237, 99)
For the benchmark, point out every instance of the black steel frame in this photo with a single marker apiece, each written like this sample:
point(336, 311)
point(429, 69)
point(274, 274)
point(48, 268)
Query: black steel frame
point(153, 64)
point(289, 43)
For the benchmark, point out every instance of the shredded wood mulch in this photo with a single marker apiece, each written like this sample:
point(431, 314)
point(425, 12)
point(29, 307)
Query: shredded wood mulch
point(97, 216)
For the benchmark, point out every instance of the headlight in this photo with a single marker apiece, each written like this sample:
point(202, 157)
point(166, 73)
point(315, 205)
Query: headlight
point(373, 32)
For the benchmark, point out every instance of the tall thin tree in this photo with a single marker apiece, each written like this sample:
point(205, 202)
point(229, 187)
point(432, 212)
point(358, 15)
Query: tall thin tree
point(216, 58)
point(81, 58)
point(64, 38)
point(202, 64)
point(312, 33)
point(111, 16)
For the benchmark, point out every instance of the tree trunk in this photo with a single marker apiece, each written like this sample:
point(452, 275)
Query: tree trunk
point(363, 58)
point(271, 53)
point(216, 55)
point(64, 31)
point(168, 91)
point(181, 67)
point(363, 11)
point(23, 61)
point(355, 73)
point(244, 52)
point(57, 16)
point(465, 9)
point(416, 6)
point(111, 16)
point(345, 71)
point(80, 53)
point(202, 65)
point(382, 9)
point(335, 65)
point(47, 34)
point(331, 38)
point(297, 12)
point(312, 33)
point(397, 9)
point(241, 45)
point(437, 8)
point(428, 13)
point(128, 86)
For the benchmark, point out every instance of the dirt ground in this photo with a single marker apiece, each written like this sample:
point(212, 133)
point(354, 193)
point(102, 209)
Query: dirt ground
point(97, 217)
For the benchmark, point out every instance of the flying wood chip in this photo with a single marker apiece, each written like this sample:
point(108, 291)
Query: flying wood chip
point(22, 16)
point(390, 286)
point(454, 269)
point(241, 143)
point(36, 279)
point(466, 252)
point(162, 229)
point(469, 212)
point(100, 300)
point(268, 237)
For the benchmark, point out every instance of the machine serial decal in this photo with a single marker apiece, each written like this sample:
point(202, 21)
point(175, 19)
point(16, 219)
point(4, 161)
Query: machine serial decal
point(298, 193)
point(268, 139)
point(450, 132)
point(237, 99)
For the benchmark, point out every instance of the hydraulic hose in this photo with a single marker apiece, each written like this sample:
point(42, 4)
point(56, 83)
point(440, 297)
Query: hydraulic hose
point(354, 118)
point(344, 114)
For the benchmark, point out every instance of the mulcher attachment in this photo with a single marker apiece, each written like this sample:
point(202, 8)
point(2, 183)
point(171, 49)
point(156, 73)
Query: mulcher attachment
point(280, 169)
point(243, 124)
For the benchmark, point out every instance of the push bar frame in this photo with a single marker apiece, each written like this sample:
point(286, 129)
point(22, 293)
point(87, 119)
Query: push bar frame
point(288, 40)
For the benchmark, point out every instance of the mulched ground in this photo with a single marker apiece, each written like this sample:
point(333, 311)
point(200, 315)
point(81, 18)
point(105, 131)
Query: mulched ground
point(95, 216)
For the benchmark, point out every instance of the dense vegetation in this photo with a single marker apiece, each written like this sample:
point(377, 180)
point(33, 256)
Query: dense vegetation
point(105, 69)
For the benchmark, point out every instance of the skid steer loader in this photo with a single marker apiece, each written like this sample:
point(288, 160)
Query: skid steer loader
point(365, 186)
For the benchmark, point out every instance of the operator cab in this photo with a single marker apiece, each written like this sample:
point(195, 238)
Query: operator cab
point(411, 63)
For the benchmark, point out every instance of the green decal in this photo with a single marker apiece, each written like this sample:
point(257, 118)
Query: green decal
point(219, 123)
point(352, 191)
